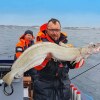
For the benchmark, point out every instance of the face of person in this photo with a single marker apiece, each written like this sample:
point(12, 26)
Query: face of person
point(28, 37)
point(53, 30)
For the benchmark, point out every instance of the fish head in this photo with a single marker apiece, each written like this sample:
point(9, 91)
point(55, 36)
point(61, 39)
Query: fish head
point(94, 48)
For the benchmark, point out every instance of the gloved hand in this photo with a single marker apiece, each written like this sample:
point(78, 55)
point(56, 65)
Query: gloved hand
point(49, 56)
point(80, 63)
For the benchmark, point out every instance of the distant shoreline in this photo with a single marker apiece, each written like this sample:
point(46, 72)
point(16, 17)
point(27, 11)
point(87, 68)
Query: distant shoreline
point(69, 28)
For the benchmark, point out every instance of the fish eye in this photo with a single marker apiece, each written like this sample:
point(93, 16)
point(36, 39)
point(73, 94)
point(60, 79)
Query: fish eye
point(94, 45)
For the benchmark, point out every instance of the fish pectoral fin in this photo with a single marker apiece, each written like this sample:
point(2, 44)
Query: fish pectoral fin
point(65, 45)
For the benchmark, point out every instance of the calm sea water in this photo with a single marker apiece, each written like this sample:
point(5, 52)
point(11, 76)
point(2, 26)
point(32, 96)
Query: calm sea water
point(88, 82)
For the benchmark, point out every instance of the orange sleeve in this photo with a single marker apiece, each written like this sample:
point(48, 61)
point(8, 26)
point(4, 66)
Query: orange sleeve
point(19, 45)
point(41, 66)
point(18, 54)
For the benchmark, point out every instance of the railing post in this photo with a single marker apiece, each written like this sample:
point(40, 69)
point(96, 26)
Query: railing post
point(78, 96)
point(74, 93)
point(71, 89)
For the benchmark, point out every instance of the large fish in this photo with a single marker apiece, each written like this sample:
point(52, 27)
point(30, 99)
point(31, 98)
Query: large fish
point(36, 54)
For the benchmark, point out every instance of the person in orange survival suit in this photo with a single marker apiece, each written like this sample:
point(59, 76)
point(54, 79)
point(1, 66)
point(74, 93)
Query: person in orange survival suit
point(42, 33)
point(52, 81)
point(25, 41)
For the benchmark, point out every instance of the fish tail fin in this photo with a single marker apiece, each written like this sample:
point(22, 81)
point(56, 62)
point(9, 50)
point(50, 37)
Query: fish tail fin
point(8, 78)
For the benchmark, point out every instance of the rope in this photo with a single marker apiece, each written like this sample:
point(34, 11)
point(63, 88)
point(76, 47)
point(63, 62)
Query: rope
point(85, 71)
point(5, 92)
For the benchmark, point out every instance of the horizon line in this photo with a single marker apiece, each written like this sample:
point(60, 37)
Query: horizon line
point(39, 26)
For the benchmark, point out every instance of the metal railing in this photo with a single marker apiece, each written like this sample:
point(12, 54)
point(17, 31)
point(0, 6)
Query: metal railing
point(75, 93)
